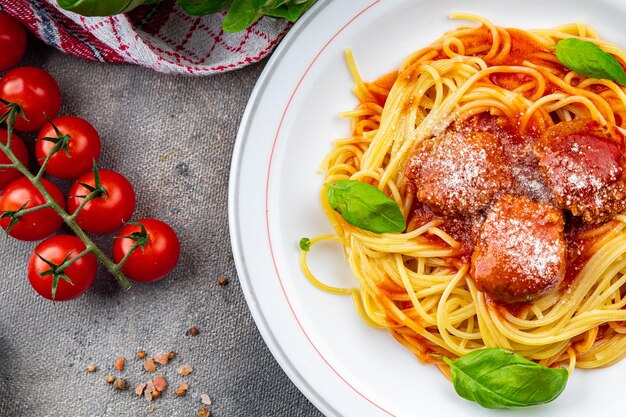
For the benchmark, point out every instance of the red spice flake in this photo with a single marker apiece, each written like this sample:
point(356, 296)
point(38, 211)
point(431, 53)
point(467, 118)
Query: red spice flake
point(222, 281)
point(161, 358)
point(149, 365)
point(119, 363)
point(184, 370)
point(141, 354)
point(182, 389)
point(91, 368)
point(156, 394)
point(171, 355)
point(150, 386)
point(160, 383)
point(110, 379)
point(140, 389)
point(193, 331)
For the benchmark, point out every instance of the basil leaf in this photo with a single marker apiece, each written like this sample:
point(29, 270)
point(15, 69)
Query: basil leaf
point(243, 13)
point(291, 10)
point(495, 378)
point(586, 58)
point(99, 7)
point(365, 206)
point(202, 7)
point(305, 244)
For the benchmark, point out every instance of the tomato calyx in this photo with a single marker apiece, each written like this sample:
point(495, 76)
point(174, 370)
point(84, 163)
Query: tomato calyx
point(15, 215)
point(139, 238)
point(61, 142)
point(13, 111)
point(95, 191)
point(56, 270)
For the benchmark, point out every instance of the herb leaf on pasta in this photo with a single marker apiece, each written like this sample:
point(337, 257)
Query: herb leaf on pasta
point(496, 378)
point(365, 206)
point(586, 58)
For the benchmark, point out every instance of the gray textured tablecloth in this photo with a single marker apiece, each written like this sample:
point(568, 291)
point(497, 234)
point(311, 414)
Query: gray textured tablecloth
point(173, 138)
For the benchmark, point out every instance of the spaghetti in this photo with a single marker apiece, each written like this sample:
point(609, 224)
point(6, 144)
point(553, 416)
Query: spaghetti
point(417, 284)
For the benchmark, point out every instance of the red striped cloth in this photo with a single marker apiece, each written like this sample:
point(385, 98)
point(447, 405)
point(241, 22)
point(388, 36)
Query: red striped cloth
point(160, 36)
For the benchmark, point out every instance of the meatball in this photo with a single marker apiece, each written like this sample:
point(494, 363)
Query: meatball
point(459, 172)
point(583, 164)
point(520, 253)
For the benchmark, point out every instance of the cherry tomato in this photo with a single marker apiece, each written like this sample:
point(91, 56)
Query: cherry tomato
point(158, 257)
point(55, 249)
point(103, 214)
point(84, 147)
point(38, 224)
point(36, 91)
point(12, 41)
point(19, 149)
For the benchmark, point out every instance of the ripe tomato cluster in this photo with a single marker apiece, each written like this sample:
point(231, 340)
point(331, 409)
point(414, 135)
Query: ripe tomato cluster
point(32, 208)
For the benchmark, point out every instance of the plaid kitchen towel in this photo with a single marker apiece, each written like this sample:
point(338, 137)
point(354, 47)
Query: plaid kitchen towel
point(160, 36)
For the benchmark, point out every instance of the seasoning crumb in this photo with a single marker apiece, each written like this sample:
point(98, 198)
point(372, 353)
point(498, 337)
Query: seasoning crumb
point(193, 331)
point(120, 384)
point(160, 383)
point(149, 365)
point(161, 358)
point(141, 354)
point(184, 370)
point(151, 410)
point(119, 363)
point(222, 281)
point(150, 386)
point(148, 395)
point(206, 400)
point(91, 368)
point(182, 389)
point(139, 389)
point(171, 355)
point(110, 379)
point(204, 412)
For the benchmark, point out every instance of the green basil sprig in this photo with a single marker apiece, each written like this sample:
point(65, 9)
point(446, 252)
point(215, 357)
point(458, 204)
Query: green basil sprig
point(365, 206)
point(496, 378)
point(586, 58)
point(241, 13)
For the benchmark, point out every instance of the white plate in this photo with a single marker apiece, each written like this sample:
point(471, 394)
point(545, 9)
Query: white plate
point(343, 366)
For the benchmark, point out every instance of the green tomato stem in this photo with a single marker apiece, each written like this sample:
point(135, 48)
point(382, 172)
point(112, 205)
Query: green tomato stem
point(86, 200)
point(7, 166)
point(69, 262)
point(32, 209)
point(43, 166)
point(68, 219)
point(125, 258)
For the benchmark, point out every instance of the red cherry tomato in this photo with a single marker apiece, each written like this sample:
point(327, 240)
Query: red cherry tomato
point(12, 41)
point(19, 149)
point(36, 91)
point(38, 224)
point(158, 257)
point(81, 272)
point(103, 214)
point(84, 147)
